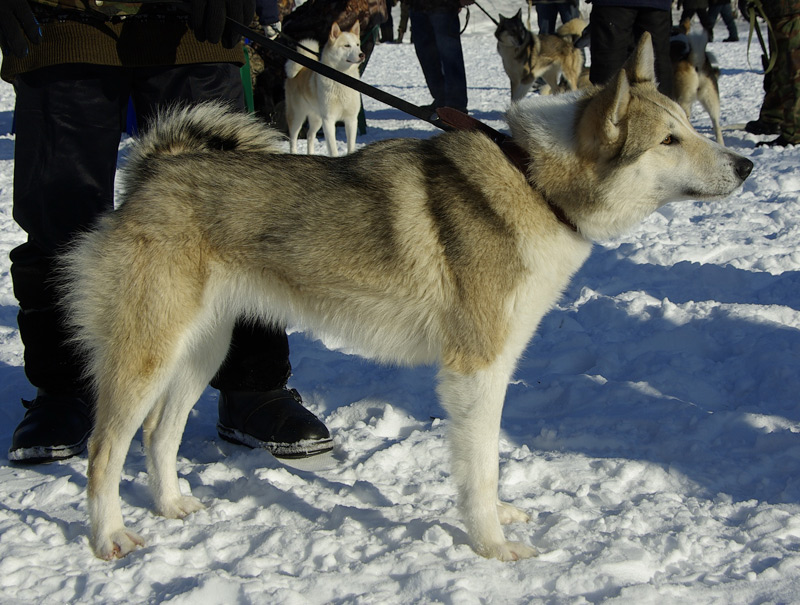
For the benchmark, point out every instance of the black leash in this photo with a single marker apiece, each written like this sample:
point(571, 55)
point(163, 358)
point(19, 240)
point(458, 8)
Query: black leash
point(495, 21)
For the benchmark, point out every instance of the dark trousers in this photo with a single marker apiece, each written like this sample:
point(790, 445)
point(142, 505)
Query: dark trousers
point(437, 42)
point(726, 11)
point(69, 121)
point(546, 15)
point(702, 15)
point(615, 30)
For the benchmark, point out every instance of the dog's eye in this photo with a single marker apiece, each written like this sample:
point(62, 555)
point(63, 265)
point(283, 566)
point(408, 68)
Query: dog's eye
point(669, 140)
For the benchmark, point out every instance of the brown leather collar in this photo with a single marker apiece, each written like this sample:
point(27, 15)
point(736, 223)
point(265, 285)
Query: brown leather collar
point(458, 120)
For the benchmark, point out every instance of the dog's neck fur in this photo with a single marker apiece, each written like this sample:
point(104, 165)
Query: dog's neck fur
point(516, 154)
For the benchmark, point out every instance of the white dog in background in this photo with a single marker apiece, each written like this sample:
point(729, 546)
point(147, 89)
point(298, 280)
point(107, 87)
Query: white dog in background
point(321, 100)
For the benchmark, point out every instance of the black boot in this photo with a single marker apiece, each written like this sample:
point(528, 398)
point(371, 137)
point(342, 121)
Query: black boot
point(273, 420)
point(55, 427)
point(761, 127)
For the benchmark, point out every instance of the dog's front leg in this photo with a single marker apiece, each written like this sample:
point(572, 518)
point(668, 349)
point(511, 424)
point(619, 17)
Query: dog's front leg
point(351, 129)
point(474, 403)
point(329, 130)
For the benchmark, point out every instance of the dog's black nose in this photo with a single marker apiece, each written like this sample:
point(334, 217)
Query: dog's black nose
point(743, 168)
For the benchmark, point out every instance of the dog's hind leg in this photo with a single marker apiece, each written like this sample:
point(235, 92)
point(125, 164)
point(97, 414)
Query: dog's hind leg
point(708, 95)
point(314, 124)
point(163, 427)
point(474, 403)
point(121, 407)
point(294, 122)
point(136, 341)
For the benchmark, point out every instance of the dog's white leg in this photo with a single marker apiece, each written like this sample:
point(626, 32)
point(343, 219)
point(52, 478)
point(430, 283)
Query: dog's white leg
point(119, 414)
point(314, 124)
point(351, 130)
point(329, 129)
point(293, 134)
point(164, 426)
point(708, 96)
point(474, 404)
point(294, 123)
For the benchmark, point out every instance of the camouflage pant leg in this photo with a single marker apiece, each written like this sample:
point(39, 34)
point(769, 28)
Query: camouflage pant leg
point(771, 110)
point(787, 75)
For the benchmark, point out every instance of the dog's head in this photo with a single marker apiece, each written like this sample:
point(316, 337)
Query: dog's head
point(611, 155)
point(343, 48)
point(511, 30)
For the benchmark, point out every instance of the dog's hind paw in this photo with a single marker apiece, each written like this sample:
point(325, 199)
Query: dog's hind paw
point(509, 551)
point(511, 514)
point(180, 507)
point(117, 544)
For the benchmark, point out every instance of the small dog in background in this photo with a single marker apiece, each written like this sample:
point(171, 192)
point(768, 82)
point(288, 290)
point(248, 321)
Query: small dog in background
point(695, 76)
point(321, 100)
point(527, 57)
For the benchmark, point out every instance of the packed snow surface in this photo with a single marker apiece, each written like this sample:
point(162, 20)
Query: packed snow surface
point(652, 430)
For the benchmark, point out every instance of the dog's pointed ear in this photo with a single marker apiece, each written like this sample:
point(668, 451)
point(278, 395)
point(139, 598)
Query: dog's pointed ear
point(356, 29)
point(641, 66)
point(335, 31)
point(616, 108)
point(518, 15)
point(602, 123)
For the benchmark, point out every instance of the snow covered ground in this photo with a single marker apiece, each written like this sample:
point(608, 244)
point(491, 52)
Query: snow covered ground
point(652, 431)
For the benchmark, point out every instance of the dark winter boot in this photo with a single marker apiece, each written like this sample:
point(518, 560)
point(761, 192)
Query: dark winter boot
point(761, 127)
point(55, 427)
point(273, 420)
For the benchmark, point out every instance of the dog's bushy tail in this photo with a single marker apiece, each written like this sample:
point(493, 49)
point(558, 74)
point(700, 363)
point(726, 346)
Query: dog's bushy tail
point(209, 126)
point(292, 68)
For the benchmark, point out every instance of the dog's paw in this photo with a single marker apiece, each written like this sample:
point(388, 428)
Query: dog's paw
point(511, 514)
point(180, 507)
point(509, 551)
point(117, 544)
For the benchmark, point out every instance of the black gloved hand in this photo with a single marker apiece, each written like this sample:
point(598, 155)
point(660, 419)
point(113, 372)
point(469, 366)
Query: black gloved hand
point(18, 26)
point(209, 23)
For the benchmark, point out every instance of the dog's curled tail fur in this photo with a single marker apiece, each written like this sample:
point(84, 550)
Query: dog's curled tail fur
point(309, 48)
point(209, 126)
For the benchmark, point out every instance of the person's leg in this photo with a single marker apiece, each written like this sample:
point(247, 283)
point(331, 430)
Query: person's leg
point(612, 41)
point(256, 408)
point(659, 24)
point(730, 22)
point(708, 25)
point(68, 123)
point(568, 11)
point(786, 79)
point(424, 40)
point(713, 13)
point(771, 113)
point(546, 18)
point(447, 29)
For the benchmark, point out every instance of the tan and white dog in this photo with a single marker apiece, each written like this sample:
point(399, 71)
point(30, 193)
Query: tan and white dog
point(695, 78)
point(321, 100)
point(412, 251)
point(527, 56)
